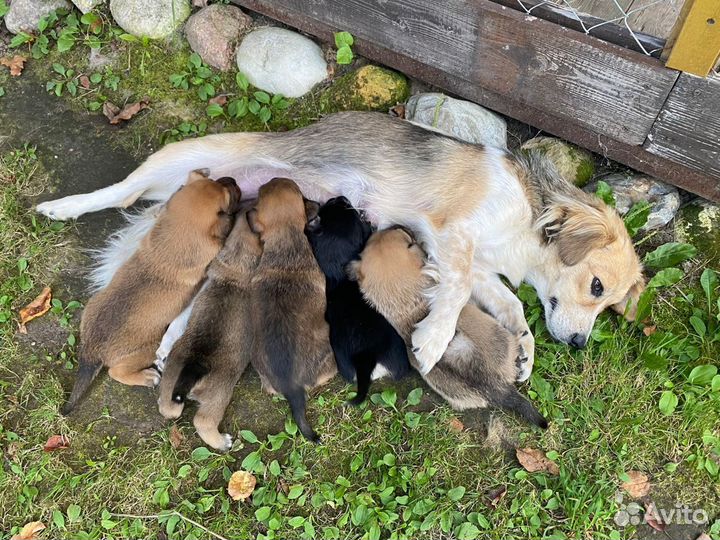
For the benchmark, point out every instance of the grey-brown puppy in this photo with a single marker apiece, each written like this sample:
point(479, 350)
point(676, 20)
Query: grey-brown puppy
point(218, 343)
point(122, 324)
point(294, 352)
point(480, 366)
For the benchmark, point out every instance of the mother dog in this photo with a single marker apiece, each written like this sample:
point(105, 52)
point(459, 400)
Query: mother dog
point(479, 212)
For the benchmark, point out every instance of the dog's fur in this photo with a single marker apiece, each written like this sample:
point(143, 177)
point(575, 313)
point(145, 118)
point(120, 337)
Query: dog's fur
point(361, 338)
point(289, 300)
point(209, 358)
point(122, 324)
point(479, 212)
point(481, 364)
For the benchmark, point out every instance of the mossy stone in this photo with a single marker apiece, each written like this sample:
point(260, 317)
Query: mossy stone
point(369, 88)
point(573, 163)
point(698, 224)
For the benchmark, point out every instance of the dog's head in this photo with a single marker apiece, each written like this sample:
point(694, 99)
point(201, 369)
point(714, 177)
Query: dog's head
point(338, 237)
point(591, 265)
point(281, 205)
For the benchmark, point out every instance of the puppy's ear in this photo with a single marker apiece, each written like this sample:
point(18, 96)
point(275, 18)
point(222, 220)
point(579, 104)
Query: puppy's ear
point(577, 228)
point(311, 213)
point(627, 307)
point(255, 225)
point(354, 271)
point(198, 174)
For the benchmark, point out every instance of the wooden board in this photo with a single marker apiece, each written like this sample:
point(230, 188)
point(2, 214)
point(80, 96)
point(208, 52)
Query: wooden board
point(600, 86)
point(647, 16)
point(688, 128)
point(696, 47)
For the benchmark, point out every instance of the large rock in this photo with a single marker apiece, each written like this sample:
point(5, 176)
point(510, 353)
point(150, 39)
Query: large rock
point(213, 33)
point(87, 6)
point(155, 19)
point(630, 189)
point(461, 119)
point(573, 163)
point(698, 224)
point(24, 15)
point(280, 61)
point(370, 88)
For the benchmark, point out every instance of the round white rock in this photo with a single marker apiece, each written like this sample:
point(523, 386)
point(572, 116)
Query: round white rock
point(280, 61)
point(155, 19)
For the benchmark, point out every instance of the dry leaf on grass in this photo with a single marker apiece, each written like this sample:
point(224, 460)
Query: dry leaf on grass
point(38, 307)
point(176, 438)
point(496, 495)
point(534, 460)
point(117, 115)
point(15, 64)
point(56, 442)
point(84, 81)
point(218, 100)
point(652, 517)
point(649, 330)
point(638, 485)
point(455, 425)
point(12, 449)
point(30, 531)
point(704, 536)
point(241, 485)
point(398, 111)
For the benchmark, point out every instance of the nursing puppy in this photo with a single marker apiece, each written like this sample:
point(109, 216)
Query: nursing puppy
point(289, 300)
point(361, 338)
point(122, 324)
point(209, 358)
point(480, 366)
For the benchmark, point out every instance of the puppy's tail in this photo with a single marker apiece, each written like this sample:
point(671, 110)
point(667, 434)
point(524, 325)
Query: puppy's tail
point(296, 399)
point(512, 400)
point(87, 371)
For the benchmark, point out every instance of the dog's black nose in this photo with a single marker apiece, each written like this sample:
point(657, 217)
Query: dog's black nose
point(578, 341)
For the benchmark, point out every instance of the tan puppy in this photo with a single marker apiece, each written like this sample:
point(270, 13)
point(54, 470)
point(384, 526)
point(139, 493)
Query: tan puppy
point(294, 352)
point(122, 324)
point(209, 358)
point(480, 366)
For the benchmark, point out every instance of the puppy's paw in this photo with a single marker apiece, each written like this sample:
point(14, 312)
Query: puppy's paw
point(62, 209)
point(170, 410)
point(526, 355)
point(159, 364)
point(227, 442)
point(429, 344)
point(150, 377)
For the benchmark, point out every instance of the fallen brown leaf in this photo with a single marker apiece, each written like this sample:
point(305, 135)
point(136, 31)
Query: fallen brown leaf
point(638, 485)
point(398, 111)
point(117, 115)
point(12, 449)
point(649, 330)
point(15, 64)
point(38, 307)
point(218, 100)
point(176, 438)
point(455, 425)
point(652, 517)
point(534, 460)
point(56, 442)
point(241, 485)
point(703, 536)
point(84, 81)
point(283, 486)
point(496, 495)
point(29, 531)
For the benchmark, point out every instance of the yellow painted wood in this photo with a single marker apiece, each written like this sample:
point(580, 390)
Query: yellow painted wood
point(697, 47)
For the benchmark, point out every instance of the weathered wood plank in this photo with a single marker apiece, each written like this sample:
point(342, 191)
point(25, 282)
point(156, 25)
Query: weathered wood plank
point(656, 19)
point(697, 45)
point(688, 128)
point(603, 87)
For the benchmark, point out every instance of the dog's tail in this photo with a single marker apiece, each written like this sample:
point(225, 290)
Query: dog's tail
point(364, 364)
point(512, 400)
point(296, 398)
point(87, 371)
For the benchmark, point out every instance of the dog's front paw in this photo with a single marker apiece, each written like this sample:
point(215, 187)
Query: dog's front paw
point(227, 442)
point(159, 364)
point(526, 355)
point(429, 344)
point(61, 209)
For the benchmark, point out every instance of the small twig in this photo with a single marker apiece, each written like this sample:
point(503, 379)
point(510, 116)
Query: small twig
point(173, 513)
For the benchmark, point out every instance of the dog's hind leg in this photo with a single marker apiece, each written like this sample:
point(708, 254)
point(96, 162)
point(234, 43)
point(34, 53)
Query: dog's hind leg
point(214, 393)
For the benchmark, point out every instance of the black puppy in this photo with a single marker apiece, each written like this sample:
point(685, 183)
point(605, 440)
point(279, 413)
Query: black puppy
point(360, 337)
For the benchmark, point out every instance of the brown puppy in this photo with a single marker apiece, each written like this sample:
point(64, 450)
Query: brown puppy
point(207, 361)
point(122, 324)
point(294, 352)
point(480, 366)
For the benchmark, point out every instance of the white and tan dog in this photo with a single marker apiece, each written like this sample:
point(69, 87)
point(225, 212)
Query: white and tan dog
point(479, 212)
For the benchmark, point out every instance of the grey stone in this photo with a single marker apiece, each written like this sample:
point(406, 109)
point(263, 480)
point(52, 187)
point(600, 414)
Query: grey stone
point(155, 19)
point(87, 5)
point(281, 61)
point(630, 189)
point(461, 119)
point(572, 162)
point(698, 223)
point(24, 15)
point(213, 33)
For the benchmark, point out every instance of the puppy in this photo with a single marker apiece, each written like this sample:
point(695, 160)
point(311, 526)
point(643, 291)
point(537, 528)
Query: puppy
point(122, 324)
point(209, 358)
point(289, 300)
point(481, 363)
point(360, 337)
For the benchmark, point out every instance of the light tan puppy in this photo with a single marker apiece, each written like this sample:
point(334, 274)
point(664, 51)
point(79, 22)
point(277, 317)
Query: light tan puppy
point(483, 360)
point(122, 324)
point(294, 352)
point(211, 355)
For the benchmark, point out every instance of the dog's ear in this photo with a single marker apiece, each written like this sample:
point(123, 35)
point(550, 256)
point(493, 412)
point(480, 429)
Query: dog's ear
point(354, 271)
point(198, 174)
point(254, 222)
point(577, 228)
point(627, 307)
point(311, 213)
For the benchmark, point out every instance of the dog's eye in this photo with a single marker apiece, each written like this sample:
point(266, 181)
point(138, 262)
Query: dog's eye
point(596, 287)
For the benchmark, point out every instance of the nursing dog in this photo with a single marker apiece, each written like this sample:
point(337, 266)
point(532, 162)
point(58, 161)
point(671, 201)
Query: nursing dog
point(293, 353)
point(219, 341)
point(483, 360)
point(479, 212)
point(361, 338)
point(123, 324)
